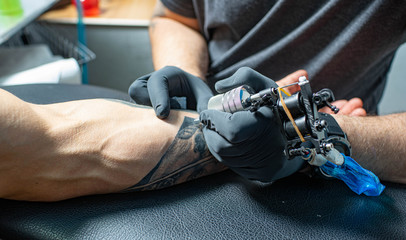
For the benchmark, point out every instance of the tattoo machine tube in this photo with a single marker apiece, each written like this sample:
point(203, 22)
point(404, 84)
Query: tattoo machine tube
point(358, 179)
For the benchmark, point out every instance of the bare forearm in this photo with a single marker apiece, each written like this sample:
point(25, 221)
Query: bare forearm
point(176, 44)
point(378, 144)
point(23, 133)
point(82, 147)
point(65, 150)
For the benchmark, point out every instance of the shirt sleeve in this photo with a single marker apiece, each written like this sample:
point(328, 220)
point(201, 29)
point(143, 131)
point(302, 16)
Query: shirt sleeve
point(181, 7)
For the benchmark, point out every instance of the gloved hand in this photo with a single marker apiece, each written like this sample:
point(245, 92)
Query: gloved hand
point(250, 143)
point(157, 89)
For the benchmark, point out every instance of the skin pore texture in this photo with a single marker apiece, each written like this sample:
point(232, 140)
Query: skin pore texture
point(378, 143)
point(64, 150)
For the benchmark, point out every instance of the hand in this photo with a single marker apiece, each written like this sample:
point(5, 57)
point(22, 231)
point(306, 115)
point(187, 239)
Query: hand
point(352, 107)
point(250, 143)
point(157, 89)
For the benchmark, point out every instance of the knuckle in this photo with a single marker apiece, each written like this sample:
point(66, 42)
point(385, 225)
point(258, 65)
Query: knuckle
point(245, 72)
point(138, 84)
point(170, 69)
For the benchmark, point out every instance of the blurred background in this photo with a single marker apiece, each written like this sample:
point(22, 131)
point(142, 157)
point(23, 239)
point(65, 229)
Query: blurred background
point(48, 41)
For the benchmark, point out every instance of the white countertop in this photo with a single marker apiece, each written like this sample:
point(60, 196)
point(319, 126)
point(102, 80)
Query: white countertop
point(11, 24)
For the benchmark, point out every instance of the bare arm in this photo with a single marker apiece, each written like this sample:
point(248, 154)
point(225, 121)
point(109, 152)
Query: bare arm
point(378, 143)
point(59, 151)
point(176, 41)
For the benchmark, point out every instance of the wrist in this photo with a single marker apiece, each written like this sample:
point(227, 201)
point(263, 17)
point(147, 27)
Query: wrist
point(346, 124)
point(340, 119)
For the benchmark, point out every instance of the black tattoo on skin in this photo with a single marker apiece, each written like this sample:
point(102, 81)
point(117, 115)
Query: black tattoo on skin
point(187, 158)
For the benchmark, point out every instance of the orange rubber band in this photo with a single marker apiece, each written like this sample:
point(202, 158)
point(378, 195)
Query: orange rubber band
point(289, 114)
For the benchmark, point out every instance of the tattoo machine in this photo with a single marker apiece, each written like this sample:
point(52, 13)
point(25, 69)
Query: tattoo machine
point(314, 136)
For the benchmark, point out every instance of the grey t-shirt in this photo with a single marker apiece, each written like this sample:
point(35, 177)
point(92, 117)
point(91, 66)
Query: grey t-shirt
point(344, 45)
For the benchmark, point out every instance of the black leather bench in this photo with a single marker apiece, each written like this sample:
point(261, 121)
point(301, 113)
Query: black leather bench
point(220, 206)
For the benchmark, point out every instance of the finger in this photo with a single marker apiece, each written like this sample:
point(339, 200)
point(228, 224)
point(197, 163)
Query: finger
point(245, 76)
point(158, 92)
point(138, 91)
point(223, 150)
point(214, 142)
point(339, 104)
point(359, 112)
point(350, 106)
point(145, 77)
point(201, 94)
point(292, 78)
point(235, 127)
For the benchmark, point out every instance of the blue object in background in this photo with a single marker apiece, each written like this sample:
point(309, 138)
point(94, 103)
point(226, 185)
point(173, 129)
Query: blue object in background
point(357, 178)
point(81, 37)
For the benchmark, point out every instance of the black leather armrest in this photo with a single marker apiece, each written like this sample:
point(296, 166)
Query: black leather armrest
point(221, 206)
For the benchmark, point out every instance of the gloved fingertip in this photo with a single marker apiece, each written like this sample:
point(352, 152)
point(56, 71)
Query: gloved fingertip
point(203, 118)
point(161, 112)
point(203, 115)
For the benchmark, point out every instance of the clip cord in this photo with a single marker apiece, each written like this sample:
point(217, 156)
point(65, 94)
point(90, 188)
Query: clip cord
point(289, 114)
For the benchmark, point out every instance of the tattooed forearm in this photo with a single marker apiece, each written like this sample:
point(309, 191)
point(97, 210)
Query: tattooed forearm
point(187, 158)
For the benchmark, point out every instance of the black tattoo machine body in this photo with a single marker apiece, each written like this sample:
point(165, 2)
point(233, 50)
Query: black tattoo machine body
point(315, 137)
point(305, 129)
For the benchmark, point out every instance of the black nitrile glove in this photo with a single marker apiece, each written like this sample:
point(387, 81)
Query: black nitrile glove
point(250, 143)
point(157, 89)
